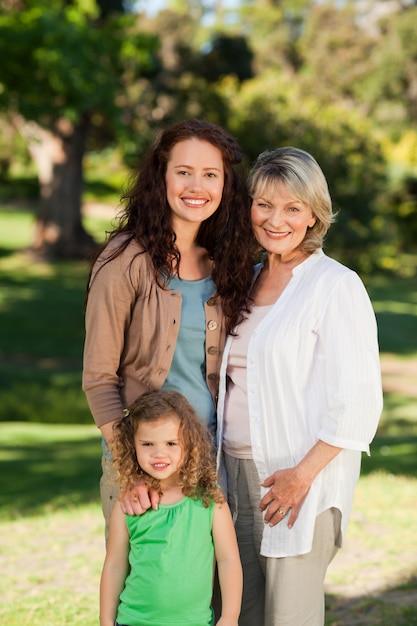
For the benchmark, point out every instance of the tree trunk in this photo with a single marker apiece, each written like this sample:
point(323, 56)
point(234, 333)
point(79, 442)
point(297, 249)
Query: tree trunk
point(58, 153)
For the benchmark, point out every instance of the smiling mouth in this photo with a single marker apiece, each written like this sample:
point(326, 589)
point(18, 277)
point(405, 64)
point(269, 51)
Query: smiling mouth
point(271, 233)
point(194, 202)
point(160, 466)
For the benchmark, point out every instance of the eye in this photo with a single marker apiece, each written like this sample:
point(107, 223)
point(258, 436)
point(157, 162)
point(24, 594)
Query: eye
point(211, 175)
point(172, 443)
point(293, 209)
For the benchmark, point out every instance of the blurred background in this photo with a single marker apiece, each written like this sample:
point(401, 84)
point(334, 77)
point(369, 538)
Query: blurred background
point(84, 87)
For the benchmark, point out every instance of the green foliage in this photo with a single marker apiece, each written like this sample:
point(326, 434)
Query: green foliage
point(268, 113)
point(390, 86)
point(334, 63)
point(59, 61)
point(228, 55)
point(338, 95)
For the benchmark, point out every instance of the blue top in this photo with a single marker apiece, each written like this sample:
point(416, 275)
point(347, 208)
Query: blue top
point(188, 370)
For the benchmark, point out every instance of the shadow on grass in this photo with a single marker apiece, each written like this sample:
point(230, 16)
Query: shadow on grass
point(395, 303)
point(49, 475)
point(392, 454)
point(396, 605)
point(6, 253)
point(101, 190)
point(19, 188)
point(42, 310)
point(397, 332)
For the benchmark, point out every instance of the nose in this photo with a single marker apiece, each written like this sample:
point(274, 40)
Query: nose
point(158, 451)
point(196, 182)
point(276, 217)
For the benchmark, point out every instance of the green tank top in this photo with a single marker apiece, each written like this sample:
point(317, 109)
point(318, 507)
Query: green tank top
point(171, 567)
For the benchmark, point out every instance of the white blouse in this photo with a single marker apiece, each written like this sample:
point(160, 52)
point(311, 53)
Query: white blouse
point(313, 373)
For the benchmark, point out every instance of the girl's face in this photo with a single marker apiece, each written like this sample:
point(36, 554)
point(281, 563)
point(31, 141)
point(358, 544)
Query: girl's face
point(159, 448)
point(194, 180)
point(280, 221)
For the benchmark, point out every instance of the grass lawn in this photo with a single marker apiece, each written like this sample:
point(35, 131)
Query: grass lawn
point(50, 522)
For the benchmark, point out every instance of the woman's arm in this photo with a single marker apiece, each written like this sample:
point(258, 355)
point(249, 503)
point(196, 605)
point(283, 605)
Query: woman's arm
point(228, 564)
point(115, 568)
point(352, 383)
point(290, 487)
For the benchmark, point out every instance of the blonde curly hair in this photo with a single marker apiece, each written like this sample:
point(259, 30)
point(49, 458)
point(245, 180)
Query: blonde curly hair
point(198, 477)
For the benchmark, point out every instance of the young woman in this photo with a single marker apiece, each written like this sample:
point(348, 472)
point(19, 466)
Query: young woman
point(171, 281)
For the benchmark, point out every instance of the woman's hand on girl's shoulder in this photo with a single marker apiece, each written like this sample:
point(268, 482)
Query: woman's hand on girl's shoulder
point(138, 500)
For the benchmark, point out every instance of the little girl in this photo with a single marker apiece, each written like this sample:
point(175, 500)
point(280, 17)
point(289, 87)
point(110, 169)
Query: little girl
point(158, 569)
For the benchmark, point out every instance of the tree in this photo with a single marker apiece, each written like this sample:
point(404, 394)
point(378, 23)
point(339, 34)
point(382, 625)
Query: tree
point(390, 89)
point(335, 62)
point(64, 70)
point(180, 89)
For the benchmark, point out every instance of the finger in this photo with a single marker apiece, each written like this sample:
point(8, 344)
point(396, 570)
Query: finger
point(154, 496)
point(142, 501)
point(293, 517)
point(268, 499)
point(138, 509)
point(126, 507)
point(271, 511)
point(268, 481)
point(131, 505)
point(276, 516)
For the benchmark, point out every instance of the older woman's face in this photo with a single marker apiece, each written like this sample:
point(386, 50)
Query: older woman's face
point(280, 221)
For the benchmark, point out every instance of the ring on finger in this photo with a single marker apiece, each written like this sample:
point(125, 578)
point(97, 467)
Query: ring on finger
point(281, 512)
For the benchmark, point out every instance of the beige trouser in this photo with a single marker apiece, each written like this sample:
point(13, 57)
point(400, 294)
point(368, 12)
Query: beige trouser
point(277, 591)
point(109, 491)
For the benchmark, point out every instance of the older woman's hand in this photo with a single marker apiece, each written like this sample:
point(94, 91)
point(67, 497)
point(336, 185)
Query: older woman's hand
point(289, 487)
point(287, 494)
point(139, 499)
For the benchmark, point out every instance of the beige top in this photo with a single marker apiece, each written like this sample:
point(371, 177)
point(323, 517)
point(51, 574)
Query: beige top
point(236, 433)
point(131, 332)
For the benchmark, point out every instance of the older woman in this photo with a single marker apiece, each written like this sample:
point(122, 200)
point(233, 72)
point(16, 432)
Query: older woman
point(302, 400)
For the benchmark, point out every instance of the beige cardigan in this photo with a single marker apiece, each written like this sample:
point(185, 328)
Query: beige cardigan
point(131, 332)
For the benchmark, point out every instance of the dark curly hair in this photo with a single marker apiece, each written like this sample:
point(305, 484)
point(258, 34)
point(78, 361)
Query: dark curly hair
point(226, 235)
point(198, 478)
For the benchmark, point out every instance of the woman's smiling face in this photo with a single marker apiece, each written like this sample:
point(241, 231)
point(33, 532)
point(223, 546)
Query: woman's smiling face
point(194, 181)
point(280, 221)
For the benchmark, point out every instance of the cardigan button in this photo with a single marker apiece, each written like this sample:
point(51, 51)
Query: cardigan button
point(212, 325)
point(212, 350)
point(213, 376)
